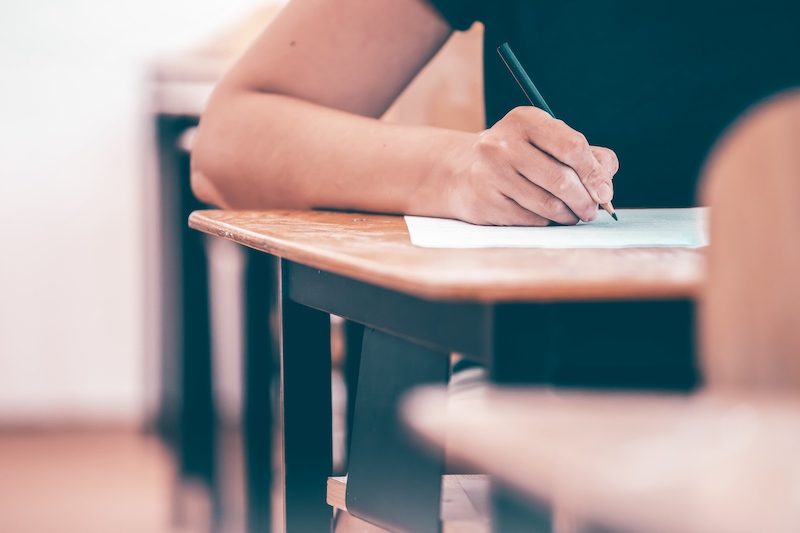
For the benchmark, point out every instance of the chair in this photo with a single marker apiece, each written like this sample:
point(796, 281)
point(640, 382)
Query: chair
point(750, 309)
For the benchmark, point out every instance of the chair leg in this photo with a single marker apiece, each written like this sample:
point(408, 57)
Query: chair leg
point(392, 482)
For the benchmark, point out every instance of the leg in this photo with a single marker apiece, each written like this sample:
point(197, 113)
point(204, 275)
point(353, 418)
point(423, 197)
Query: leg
point(197, 413)
point(392, 482)
point(186, 418)
point(173, 171)
point(307, 420)
point(512, 514)
point(354, 335)
point(260, 357)
point(197, 416)
point(516, 359)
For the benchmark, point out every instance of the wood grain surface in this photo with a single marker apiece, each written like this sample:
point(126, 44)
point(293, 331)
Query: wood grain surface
point(659, 463)
point(376, 249)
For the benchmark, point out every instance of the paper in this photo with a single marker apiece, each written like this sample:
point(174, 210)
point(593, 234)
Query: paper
point(636, 227)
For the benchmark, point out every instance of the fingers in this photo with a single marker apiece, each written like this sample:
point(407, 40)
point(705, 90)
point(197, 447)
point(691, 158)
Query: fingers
point(533, 180)
point(570, 148)
point(529, 169)
point(557, 194)
point(607, 159)
point(513, 214)
point(496, 209)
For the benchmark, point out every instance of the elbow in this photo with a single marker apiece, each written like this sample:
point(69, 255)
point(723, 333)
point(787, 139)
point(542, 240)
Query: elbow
point(229, 167)
point(205, 190)
point(205, 171)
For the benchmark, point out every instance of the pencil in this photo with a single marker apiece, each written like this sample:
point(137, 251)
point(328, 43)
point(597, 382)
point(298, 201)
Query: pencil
point(533, 94)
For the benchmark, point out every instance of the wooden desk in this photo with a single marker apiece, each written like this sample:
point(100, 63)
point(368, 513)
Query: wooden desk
point(633, 462)
point(418, 305)
point(376, 249)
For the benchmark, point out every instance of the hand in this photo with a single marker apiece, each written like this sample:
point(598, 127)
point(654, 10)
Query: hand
point(530, 169)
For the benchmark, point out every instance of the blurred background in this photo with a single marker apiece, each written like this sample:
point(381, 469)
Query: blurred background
point(80, 369)
point(121, 329)
point(74, 136)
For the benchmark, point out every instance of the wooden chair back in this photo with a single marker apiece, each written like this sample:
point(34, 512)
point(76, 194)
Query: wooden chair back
point(448, 92)
point(749, 315)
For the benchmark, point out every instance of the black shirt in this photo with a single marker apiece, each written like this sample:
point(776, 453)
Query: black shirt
point(655, 81)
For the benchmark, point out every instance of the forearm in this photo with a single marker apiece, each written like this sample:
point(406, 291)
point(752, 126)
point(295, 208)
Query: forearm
point(288, 128)
point(259, 151)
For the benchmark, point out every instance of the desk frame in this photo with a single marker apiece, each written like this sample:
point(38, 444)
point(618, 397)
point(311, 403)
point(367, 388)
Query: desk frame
point(407, 341)
point(414, 319)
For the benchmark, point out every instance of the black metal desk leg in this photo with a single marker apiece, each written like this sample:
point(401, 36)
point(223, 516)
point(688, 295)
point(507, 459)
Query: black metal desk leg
point(307, 419)
point(354, 336)
point(522, 354)
point(187, 418)
point(512, 514)
point(391, 481)
point(260, 358)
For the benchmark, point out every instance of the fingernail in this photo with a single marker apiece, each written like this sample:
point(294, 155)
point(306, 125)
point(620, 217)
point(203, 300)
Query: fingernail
point(604, 193)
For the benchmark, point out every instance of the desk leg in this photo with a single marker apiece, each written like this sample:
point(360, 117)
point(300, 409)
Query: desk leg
point(354, 336)
point(260, 357)
point(187, 418)
point(391, 482)
point(307, 418)
point(511, 514)
point(514, 328)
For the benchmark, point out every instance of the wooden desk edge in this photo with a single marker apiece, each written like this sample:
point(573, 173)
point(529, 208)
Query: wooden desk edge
point(339, 264)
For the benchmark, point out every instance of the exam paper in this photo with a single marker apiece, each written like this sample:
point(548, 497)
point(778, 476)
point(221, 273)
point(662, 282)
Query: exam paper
point(636, 227)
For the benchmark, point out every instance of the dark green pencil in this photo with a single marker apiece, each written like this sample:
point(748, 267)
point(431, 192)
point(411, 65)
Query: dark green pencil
point(533, 94)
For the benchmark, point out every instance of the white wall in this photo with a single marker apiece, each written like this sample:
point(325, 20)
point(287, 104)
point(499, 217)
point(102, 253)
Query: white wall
point(71, 170)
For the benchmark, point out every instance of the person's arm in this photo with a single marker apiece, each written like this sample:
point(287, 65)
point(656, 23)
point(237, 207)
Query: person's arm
point(294, 125)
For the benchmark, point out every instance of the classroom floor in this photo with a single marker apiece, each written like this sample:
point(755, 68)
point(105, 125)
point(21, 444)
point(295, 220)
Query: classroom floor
point(101, 480)
point(109, 480)
point(84, 481)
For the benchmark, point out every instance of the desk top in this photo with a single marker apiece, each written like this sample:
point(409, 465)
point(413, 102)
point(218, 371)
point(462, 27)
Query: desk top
point(704, 463)
point(376, 249)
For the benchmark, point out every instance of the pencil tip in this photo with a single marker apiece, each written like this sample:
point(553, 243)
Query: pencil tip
point(615, 216)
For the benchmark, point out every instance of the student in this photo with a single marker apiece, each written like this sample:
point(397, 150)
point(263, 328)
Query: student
point(286, 128)
point(292, 125)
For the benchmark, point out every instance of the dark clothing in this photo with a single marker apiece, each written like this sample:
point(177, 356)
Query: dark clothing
point(657, 82)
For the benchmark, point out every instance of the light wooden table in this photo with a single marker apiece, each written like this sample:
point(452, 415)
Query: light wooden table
point(418, 306)
point(376, 249)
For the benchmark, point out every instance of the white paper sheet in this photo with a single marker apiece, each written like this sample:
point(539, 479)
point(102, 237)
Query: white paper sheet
point(636, 227)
